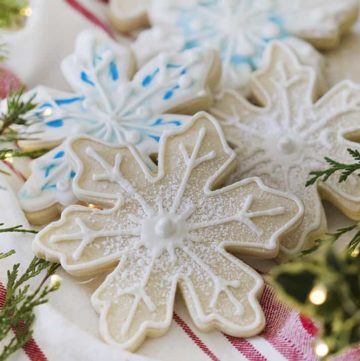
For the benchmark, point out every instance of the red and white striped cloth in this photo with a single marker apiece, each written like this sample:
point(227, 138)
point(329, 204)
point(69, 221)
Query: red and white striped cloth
point(66, 328)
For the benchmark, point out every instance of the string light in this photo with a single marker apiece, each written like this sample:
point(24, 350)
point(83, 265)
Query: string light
point(318, 295)
point(321, 348)
point(8, 157)
point(26, 11)
point(92, 206)
point(55, 281)
point(47, 112)
point(356, 252)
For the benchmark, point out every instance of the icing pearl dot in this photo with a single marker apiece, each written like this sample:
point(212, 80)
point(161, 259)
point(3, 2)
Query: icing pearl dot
point(286, 145)
point(143, 112)
point(76, 129)
point(133, 137)
point(159, 33)
point(318, 15)
point(89, 103)
point(271, 31)
point(163, 58)
point(165, 227)
point(247, 49)
point(63, 185)
point(197, 25)
point(193, 56)
point(33, 190)
point(185, 82)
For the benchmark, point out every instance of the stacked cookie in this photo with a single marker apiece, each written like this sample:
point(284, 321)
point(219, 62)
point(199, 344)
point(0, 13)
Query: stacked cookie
point(173, 153)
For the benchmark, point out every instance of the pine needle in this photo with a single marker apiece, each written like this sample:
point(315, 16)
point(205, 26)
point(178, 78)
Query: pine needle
point(346, 170)
point(16, 229)
point(17, 313)
point(16, 109)
point(16, 153)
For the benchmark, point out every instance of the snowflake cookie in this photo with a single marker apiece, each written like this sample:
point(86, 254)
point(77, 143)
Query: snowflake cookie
point(129, 15)
point(288, 135)
point(109, 106)
point(241, 29)
point(167, 229)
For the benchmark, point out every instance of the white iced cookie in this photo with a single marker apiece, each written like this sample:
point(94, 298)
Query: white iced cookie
point(128, 15)
point(112, 105)
point(168, 229)
point(241, 29)
point(288, 134)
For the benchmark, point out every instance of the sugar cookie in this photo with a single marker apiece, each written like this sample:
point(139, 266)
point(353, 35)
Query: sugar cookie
point(288, 135)
point(108, 105)
point(169, 229)
point(241, 29)
point(129, 15)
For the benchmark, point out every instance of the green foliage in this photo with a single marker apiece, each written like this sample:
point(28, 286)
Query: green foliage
point(331, 238)
point(14, 116)
point(16, 153)
point(16, 229)
point(11, 13)
point(354, 245)
point(338, 276)
point(345, 169)
point(7, 254)
point(17, 312)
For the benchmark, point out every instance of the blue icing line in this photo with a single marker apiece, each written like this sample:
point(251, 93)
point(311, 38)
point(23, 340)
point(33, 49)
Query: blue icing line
point(161, 121)
point(48, 169)
point(149, 78)
point(277, 20)
point(155, 137)
point(173, 66)
point(238, 59)
point(96, 58)
point(191, 44)
point(48, 186)
point(57, 123)
point(59, 154)
point(170, 93)
point(72, 174)
point(84, 77)
point(114, 72)
point(45, 105)
point(68, 100)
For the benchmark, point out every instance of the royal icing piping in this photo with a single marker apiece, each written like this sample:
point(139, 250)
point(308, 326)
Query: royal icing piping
point(110, 107)
point(240, 29)
point(169, 229)
point(287, 138)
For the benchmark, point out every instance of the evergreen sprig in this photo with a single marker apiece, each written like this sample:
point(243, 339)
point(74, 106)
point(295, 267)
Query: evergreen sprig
point(346, 170)
point(16, 153)
point(354, 245)
point(16, 109)
point(17, 312)
point(11, 13)
point(6, 254)
point(337, 277)
point(15, 229)
point(331, 238)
